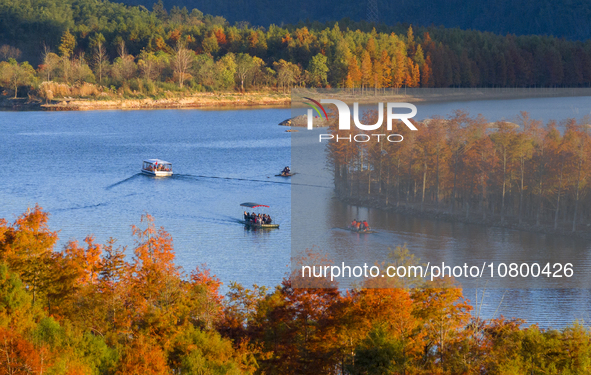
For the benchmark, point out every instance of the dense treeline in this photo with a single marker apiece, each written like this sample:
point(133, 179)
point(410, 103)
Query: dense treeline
point(523, 172)
point(91, 309)
point(568, 19)
point(144, 52)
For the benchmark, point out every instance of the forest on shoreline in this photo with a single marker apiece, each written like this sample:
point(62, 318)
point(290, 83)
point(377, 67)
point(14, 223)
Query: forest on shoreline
point(105, 309)
point(526, 175)
point(87, 49)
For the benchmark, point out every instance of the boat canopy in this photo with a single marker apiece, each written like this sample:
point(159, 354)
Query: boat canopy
point(253, 205)
point(156, 161)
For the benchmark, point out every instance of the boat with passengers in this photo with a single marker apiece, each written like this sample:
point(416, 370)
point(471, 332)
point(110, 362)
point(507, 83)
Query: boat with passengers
point(157, 167)
point(359, 226)
point(257, 219)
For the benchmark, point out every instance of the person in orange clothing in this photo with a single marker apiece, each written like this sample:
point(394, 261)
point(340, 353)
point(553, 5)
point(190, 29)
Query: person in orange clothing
point(365, 225)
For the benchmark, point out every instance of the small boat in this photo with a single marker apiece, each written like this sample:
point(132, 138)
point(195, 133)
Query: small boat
point(355, 230)
point(252, 224)
point(286, 172)
point(157, 167)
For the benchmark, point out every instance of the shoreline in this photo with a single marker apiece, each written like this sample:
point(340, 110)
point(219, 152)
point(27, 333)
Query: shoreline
point(283, 100)
point(201, 101)
point(436, 95)
point(444, 215)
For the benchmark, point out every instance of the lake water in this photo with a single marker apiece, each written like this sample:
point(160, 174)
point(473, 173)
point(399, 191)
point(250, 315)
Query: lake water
point(82, 167)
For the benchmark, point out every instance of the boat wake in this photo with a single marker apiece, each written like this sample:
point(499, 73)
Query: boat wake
point(355, 231)
point(80, 207)
point(225, 219)
point(193, 176)
point(122, 181)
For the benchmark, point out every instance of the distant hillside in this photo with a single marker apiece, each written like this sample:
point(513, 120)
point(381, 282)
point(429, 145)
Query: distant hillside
point(561, 18)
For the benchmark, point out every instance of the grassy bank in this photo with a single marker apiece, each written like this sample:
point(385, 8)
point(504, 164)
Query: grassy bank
point(60, 97)
point(209, 100)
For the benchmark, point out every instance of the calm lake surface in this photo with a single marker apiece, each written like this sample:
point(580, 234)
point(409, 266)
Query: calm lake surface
point(83, 168)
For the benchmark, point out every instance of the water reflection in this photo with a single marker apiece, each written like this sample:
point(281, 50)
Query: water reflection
point(318, 219)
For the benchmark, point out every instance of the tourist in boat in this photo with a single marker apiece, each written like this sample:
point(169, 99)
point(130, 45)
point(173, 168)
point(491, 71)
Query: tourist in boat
point(285, 171)
point(365, 225)
point(257, 219)
point(354, 224)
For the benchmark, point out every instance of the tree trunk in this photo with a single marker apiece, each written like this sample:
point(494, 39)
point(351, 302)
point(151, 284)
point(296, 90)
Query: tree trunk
point(482, 198)
point(558, 197)
point(409, 179)
point(453, 193)
point(577, 196)
point(398, 182)
point(521, 189)
point(540, 203)
point(368, 180)
point(350, 182)
point(437, 179)
point(424, 184)
point(380, 172)
point(387, 186)
point(504, 185)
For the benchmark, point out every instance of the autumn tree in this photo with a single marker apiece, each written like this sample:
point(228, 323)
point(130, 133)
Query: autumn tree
point(150, 65)
point(318, 70)
point(27, 249)
point(244, 67)
point(124, 66)
point(205, 298)
point(19, 356)
point(287, 73)
point(51, 64)
point(153, 277)
point(141, 357)
point(353, 72)
point(367, 77)
point(386, 69)
point(182, 62)
point(9, 52)
point(503, 139)
point(226, 70)
point(100, 59)
point(67, 45)
point(444, 313)
point(14, 75)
